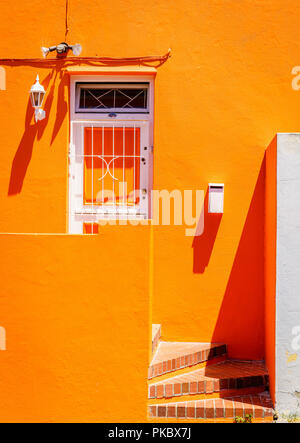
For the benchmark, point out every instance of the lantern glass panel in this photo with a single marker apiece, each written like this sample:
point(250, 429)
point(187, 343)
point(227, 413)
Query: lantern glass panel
point(41, 99)
point(37, 99)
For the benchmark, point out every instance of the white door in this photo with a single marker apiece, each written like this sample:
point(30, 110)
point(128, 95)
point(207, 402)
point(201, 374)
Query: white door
point(109, 172)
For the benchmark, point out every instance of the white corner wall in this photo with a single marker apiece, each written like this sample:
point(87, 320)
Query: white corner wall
point(288, 274)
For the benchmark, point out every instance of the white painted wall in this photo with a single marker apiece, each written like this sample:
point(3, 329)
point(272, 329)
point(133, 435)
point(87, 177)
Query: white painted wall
point(288, 274)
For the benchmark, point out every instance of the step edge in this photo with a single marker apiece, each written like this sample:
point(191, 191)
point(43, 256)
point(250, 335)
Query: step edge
point(156, 337)
point(194, 357)
point(263, 410)
point(187, 370)
point(204, 386)
point(223, 394)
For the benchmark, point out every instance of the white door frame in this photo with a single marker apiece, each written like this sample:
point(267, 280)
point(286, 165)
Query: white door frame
point(78, 212)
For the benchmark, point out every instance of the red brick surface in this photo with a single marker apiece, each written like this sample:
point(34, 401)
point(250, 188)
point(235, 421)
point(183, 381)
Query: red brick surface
point(171, 411)
point(219, 408)
point(169, 390)
point(162, 411)
point(181, 410)
point(259, 406)
point(182, 355)
point(225, 378)
point(228, 375)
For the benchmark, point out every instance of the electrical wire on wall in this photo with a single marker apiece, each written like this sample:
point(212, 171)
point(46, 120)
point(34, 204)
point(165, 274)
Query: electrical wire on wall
point(67, 19)
point(64, 61)
point(141, 60)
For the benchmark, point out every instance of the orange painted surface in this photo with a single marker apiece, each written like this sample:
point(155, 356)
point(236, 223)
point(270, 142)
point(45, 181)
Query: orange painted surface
point(218, 103)
point(73, 352)
point(270, 263)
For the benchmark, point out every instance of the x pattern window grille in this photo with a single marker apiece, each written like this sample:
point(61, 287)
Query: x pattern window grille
point(113, 98)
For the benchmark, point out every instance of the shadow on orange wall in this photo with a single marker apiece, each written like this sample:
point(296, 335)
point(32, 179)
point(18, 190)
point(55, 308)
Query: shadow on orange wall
point(34, 131)
point(62, 105)
point(203, 244)
point(23, 155)
point(238, 312)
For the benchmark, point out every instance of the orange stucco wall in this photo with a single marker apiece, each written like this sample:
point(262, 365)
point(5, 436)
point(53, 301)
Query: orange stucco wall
point(77, 328)
point(218, 103)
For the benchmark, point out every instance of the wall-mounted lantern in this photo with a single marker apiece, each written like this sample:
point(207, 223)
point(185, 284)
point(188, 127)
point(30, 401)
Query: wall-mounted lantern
point(216, 198)
point(37, 94)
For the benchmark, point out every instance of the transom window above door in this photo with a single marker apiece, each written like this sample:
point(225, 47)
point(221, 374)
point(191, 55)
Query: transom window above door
point(112, 97)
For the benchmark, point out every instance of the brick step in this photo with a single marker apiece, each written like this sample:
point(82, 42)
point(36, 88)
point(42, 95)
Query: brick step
point(259, 406)
point(223, 377)
point(172, 356)
point(221, 394)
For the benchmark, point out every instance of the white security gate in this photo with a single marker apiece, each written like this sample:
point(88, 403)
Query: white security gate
point(109, 166)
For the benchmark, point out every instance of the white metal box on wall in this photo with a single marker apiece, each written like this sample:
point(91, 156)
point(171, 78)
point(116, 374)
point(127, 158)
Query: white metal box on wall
point(216, 198)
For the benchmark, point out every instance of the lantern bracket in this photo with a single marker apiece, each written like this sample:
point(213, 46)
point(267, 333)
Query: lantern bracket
point(62, 48)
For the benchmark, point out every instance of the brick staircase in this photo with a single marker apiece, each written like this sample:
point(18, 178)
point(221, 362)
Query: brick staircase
point(197, 381)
